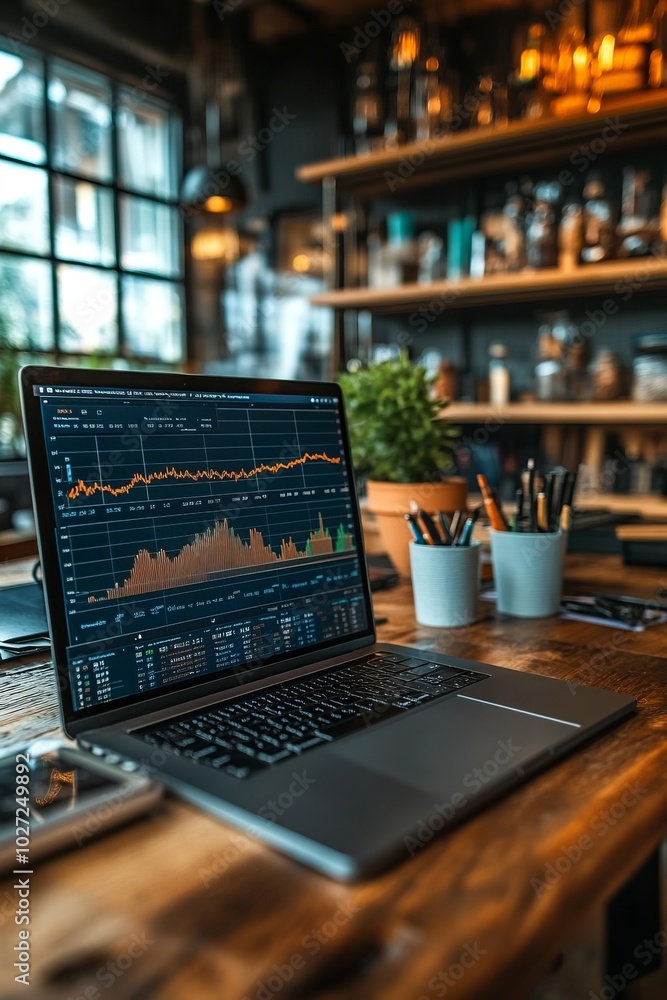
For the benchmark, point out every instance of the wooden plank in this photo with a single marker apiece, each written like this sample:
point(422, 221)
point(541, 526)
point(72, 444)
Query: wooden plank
point(438, 297)
point(622, 123)
point(185, 905)
point(617, 413)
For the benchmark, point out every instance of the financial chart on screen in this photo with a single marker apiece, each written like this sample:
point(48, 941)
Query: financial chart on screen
point(198, 533)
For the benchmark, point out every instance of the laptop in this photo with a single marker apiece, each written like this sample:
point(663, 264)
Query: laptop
point(211, 622)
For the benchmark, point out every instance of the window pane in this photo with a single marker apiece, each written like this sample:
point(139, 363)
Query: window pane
point(148, 145)
point(84, 221)
point(24, 208)
point(153, 318)
point(80, 103)
point(88, 307)
point(26, 308)
point(149, 237)
point(22, 106)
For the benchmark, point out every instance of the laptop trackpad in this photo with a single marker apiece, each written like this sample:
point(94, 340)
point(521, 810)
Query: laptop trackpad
point(455, 746)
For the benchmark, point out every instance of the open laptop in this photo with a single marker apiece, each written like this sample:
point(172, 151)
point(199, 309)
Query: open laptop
point(211, 621)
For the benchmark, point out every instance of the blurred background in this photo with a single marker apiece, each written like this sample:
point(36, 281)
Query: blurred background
point(299, 187)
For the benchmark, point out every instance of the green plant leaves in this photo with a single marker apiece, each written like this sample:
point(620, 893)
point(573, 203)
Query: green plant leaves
point(395, 432)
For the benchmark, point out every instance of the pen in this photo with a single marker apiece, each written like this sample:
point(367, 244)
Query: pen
point(431, 529)
point(559, 489)
point(568, 489)
point(498, 522)
point(466, 534)
point(531, 495)
point(456, 524)
point(565, 517)
point(549, 493)
point(542, 519)
point(499, 506)
point(414, 528)
point(445, 528)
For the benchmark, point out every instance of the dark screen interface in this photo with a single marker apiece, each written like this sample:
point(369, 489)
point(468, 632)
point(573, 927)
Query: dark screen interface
point(198, 533)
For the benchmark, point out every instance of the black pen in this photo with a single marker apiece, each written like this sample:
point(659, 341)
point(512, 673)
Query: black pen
point(431, 529)
point(531, 495)
point(518, 517)
point(445, 528)
point(456, 524)
point(568, 489)
point(549, 492)
point(559, 489)
point(415, 529)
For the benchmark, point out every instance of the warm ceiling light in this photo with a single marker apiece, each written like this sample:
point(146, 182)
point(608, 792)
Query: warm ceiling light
point(302, 263)
point(406, 48)
point(218, 204)
point(214, 244)
point(432, 64)
point(200, 187)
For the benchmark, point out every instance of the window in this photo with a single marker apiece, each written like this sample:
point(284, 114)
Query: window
point(91, 238)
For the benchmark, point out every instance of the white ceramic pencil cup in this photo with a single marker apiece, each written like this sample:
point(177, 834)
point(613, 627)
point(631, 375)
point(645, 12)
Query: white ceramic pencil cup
point(445, 582)
point(528, 571)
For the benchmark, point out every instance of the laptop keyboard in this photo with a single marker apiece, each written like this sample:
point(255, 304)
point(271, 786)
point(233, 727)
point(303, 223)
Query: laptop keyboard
point(241, 736)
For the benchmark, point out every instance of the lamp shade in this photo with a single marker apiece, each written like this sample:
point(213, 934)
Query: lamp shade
point(213, 189)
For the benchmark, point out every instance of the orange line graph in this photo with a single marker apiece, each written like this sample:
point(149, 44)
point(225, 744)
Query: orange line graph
point(82, 489)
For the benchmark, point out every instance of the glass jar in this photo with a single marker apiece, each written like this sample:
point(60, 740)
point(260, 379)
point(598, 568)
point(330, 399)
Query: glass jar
point(649, 368)
point(605, 373)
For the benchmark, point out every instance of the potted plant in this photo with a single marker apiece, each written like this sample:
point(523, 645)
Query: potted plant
point(402, 446)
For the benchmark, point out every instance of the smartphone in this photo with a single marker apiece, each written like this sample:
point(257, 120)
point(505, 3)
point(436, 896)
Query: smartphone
point(54, 797)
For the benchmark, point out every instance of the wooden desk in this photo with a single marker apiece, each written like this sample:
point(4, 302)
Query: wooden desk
point(211, 913)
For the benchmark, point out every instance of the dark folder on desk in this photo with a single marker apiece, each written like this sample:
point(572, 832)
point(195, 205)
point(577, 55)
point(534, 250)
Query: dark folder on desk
point(22, 614)
point(211, 621)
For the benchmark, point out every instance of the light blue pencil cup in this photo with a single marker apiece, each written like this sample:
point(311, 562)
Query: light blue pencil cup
point(528, 571)
point(445, 583)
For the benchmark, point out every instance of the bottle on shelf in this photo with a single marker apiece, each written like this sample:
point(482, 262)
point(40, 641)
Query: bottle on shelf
point(403, 57)
point(401, 254)
point(514, 214)
point(542, 227)
point(526, 93)
point(657, 73)
point(550, 373)
point(599, 230)
point(570, 235)
point(639, 223)
point(606, 377)
point(435, 88)
point(499, 376)
point(367, 111)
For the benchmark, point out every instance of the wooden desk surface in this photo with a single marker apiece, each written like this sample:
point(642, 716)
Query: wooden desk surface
point(181, 905)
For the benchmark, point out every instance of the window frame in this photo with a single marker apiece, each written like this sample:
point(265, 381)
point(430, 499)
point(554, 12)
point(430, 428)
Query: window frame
point(117, 84)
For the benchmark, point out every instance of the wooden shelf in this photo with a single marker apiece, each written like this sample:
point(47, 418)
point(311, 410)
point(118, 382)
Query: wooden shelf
point(518, 145)
point(624, 277)
point(620, 412)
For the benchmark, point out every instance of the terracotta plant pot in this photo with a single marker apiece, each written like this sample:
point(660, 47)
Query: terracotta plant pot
point(390, 501)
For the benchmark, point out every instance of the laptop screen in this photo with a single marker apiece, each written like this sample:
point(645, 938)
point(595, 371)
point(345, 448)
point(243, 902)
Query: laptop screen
point(199, 534)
